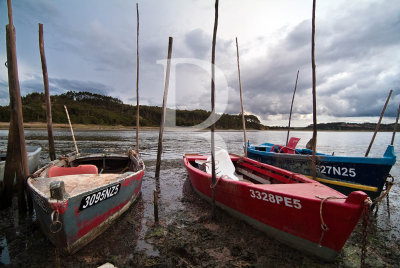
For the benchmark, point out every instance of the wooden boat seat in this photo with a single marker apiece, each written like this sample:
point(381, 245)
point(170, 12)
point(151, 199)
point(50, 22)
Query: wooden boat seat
point(63, 171)
point(289, 149)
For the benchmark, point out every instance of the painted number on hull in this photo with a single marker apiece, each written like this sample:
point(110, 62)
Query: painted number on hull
point(276, 199)
point(99, 196)
point(340, 171)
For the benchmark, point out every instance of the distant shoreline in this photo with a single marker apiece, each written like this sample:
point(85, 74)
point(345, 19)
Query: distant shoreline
point(41, 125)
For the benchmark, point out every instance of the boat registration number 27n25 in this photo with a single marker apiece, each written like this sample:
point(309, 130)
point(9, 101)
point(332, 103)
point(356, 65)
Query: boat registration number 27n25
point(97, 197)
point(339, 171)
point(276, 199)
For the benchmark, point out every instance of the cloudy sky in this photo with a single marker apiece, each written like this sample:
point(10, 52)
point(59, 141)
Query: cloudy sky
point(90, 45)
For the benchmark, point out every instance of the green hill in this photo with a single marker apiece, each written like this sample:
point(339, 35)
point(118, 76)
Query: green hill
point(90, 108)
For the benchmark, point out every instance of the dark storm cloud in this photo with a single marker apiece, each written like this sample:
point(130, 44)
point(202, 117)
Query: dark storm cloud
point(75, 85)
point(60, 86)
point(198, 42)
point(355, 69)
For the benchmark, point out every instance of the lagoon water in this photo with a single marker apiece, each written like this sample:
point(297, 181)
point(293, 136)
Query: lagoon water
point(176, 143)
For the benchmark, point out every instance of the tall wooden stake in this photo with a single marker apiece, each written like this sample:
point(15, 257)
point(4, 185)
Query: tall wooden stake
point(155, 198)
point(213, 178)
point(52, 153)
point(291, 108)
point(379, 123)
point(72, 131)
point(241, 100)
point(314, 137)
point(16, 160)
point(395, 126)
point(137, 80)
point(164, 108)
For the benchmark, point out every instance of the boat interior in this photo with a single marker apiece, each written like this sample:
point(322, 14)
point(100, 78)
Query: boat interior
point(242, 169)
point(85, 173)
point(105, 164)
point(267, 147)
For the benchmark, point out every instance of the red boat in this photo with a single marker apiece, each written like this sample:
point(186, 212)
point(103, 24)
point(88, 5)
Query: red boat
point(294, 209)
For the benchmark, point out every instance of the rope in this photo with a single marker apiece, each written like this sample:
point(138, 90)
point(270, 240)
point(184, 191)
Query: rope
point(55, 225)
point(389, 185)
point(367, 209)
point(324, 227)
point(216, 182)
point(64, 158)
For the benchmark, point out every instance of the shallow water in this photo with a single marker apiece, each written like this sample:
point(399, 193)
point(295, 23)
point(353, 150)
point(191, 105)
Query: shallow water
point(173, 175)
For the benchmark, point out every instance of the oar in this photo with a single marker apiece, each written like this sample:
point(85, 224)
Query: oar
point(72, 131)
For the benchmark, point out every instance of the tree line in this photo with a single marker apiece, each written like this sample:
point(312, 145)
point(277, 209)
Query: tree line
point(91, 108)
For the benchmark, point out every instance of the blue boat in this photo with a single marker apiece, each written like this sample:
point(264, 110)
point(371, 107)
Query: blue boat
point(343, 173)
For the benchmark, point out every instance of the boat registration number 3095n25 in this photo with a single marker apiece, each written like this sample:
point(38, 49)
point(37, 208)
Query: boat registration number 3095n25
point(276, 199)
point(97, 197)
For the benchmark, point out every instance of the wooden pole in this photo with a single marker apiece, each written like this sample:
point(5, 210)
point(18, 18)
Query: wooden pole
point(395, 126)
point(12, 148)
point(314, 137)
point(213, 178)
point(164, 108)
point(16, 163)
point(72, 131)
point(52, 152)
point(379, 123)
point(291, 108)
point(155, 196)
point(241, 100)
point(137, 79)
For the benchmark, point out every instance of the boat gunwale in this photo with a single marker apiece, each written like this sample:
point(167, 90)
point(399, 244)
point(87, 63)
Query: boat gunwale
point(43, 175)
point(389, 159)
point(277, 188)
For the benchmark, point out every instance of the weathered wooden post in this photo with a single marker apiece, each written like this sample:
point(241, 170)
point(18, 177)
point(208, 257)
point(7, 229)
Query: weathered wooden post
point(16, 160)
point(213, 178)
point(314, 137)
point(291, 108)
point(379, 123)
point(395, 126)
point(241, 100)
point(137, 79)
point(164, 108)
point(155, 196)
point(52, 152)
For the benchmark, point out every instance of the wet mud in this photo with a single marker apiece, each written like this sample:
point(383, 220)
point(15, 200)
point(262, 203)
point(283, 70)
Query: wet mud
point(186, 236)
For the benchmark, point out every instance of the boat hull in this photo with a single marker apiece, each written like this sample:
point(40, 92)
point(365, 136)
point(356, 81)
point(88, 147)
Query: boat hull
point(287, 212)
point(33, 153)
point(344, 174)
point(72, 223)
